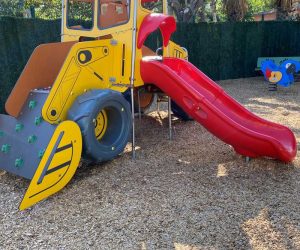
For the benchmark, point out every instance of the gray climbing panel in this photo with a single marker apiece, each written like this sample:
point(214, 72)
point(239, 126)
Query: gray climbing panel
point(23, 140)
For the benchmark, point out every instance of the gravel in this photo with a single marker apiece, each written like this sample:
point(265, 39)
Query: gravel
point(190, 193)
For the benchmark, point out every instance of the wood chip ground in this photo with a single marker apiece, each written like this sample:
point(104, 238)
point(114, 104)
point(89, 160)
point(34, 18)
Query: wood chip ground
point(190, 193)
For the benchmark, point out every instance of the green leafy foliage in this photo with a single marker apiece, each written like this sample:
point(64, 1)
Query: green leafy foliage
point(11, 8)
point(80, 14)
point(220, 10)
point(185, 11)
point(256, 6)
point(45, 9)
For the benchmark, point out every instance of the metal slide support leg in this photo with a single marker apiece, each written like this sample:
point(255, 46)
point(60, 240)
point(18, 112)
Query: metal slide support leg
point(133, 122)
point(157, 102)
point(247, 159)
point(272, 86)
point(139, 103)
point(133, 59)
point(170, 118)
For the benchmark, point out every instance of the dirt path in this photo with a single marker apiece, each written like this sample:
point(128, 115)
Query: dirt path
point(190, 193)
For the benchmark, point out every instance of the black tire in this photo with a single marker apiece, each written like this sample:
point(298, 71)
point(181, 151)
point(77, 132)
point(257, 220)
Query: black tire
point(84, 112)
point(179, 112)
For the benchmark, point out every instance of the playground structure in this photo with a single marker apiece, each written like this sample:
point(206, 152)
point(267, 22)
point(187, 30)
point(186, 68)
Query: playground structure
point(282, 75)
point(69, 101)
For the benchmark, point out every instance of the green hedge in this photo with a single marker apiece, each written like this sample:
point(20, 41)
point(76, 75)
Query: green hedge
point(230, 50)
point(18, 38)
point(222, 50)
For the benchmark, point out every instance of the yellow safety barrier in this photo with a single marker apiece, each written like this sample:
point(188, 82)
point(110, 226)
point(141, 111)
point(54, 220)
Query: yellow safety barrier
point(57, 166)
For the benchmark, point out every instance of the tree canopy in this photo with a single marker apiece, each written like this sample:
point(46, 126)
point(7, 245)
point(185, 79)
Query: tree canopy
point(11, 8)
point(184, 10)
point(46, 9)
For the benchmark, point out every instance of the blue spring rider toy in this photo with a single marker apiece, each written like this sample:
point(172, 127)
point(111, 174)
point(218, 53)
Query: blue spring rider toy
point(282, 75)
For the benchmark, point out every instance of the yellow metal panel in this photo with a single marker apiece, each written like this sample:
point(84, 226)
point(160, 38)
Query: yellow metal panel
point(74, 35)
point(175, 50)
point(122, 34)
point(57, 166)
point(89, 65)
point(121, 59)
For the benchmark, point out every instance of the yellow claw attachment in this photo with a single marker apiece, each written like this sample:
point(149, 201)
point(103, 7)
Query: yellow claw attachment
point(58, 165)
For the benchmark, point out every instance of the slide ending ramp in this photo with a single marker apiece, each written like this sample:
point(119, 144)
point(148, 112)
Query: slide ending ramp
point(207, 103)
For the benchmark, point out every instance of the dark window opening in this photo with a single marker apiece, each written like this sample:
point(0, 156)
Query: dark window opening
point(155, 6)
point(80, 14)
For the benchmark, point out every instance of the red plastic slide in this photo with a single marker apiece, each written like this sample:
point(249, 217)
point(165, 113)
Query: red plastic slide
point(224, 117)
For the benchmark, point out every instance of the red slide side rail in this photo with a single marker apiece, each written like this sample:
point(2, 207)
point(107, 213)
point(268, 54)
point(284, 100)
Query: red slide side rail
point(152, 22)
point(219, 113)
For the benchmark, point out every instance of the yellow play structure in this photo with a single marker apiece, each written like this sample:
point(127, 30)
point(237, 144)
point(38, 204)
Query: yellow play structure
point(77, 98)
point(69, 102)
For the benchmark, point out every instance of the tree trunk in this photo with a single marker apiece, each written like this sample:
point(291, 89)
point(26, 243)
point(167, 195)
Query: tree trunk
point(213, 6)
point(282, 6)
point(187, 12)
point(235, 9)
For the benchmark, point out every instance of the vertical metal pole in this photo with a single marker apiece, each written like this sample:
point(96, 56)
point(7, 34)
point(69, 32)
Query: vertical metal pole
point(165, 7)
point(133, 55)
point(169, 98)
point(140, 110)
point(133, 120)
point(170, 118)
point(62, 19)
point(247, 159)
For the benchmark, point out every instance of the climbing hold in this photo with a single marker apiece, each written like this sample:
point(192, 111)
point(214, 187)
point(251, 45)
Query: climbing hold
point(19, 127)
point(32, 104)
point(41, 153)
point(32, 139)
point(38, 120)
point(1, 133)
point(5, 148)
point(19, 162)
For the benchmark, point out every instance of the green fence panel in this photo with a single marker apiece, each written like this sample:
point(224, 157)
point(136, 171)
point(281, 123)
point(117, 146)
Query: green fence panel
point(18, 38)
point(220, 50)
